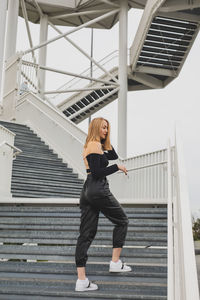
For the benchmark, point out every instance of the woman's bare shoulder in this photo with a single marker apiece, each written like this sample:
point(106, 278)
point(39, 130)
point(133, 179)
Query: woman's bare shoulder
point(94, 147)
point(94, 143)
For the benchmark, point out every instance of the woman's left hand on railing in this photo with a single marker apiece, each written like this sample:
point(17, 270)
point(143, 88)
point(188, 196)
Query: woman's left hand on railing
point(123, 169)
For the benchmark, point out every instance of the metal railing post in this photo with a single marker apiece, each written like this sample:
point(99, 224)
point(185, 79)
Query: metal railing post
point(170, 238)
point(185, 256)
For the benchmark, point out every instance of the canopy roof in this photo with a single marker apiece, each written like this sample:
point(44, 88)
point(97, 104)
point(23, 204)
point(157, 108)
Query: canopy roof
point(59, 11)
point(64, 12)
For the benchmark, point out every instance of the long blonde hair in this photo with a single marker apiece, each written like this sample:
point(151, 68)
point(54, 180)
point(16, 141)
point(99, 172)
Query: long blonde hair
point(94, 133)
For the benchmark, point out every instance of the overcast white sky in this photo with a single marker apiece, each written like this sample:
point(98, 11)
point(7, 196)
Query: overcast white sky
point(151, 114)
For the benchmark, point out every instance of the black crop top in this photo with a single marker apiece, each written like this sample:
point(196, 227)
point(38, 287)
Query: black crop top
point(98, 163)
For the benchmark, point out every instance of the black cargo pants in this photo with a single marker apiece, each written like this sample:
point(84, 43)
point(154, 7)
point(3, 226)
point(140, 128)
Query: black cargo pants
point(95, 198)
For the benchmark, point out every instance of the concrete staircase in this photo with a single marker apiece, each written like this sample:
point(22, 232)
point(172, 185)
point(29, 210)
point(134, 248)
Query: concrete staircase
point(37, 241)
point(38, 245)
point(158, 61)
point(38, 172)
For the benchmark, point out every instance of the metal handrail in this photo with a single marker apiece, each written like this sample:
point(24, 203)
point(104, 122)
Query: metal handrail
point(72, 82)
point(170, 237)
point(144, 167)
point(18, 151)
point(87, 72)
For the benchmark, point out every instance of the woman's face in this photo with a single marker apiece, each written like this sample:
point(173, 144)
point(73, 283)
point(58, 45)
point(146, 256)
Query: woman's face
point(103, 129)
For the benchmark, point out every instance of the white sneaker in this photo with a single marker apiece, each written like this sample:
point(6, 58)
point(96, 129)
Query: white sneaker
point(85, 285)
point(119, 267)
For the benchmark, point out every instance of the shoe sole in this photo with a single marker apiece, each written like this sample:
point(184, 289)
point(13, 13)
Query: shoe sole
point(85, 290)
point(121, 271)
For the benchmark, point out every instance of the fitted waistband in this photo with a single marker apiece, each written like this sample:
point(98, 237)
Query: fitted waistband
point(101, 178)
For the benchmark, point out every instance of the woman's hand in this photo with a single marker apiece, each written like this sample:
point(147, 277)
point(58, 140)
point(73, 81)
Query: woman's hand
point(123, 169)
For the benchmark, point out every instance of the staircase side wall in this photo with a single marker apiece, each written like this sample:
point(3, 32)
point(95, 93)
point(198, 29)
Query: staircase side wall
point(64, 137)
point(10, 92)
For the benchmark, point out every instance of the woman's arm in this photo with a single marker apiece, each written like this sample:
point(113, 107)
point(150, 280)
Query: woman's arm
point(96, 170)
point(94, 156)
point(111, 154)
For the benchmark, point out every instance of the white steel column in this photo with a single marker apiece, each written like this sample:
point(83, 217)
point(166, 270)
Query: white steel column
point(11, 35)
point(3, 8)
point(122, 95)
point(43, 52)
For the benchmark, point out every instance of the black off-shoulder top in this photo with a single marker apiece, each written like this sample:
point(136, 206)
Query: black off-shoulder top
point(98, 163)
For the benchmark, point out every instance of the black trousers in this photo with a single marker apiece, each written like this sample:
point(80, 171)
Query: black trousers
point(95, 198)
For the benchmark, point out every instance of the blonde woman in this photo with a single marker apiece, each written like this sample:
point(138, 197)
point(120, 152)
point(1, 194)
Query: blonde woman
point(95, 198)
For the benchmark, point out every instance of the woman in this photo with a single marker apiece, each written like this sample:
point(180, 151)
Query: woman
point(95, 198)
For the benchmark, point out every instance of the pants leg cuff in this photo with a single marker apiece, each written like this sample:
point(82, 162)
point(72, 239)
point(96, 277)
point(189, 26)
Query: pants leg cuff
point(118, 246)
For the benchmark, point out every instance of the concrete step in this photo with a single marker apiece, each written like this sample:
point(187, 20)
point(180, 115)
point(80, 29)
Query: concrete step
point(25, 159)
point(15, 126)
point(28, 137)
point(34, 148)
point(16, 182)
point(27, 142)
point(57, 178)
point(103, 276)
point(71, 210)
point(57, 219)
point(65, 177)
point(26, 156)
point(96, 253)
point(65, 288)
point(71, 240)
point(13, 224)
point(66, 235)
point(77, 296)
point(139, 242)
point(133, 216)
point(62, 252)
point(39, 194)
point(40, 154)
point(25, 131)
point(42, 169)
point(34, 186)
point(38, 165)
point(92, 269)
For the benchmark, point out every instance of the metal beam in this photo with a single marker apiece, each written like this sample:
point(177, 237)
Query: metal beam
point(3, 8)
point(43, 52)
point(122, 95)
point(175, 6)
point(181, 16)
point(157, 71)
point(12, 22)
point(148, 80)
point(80, 13)
point(136, 4)
point(99, 23)
point(170, 228)
point(38, 8)
point(84, 53)
point(110, 3)
point(24, 11)
point(71, 31)
point(73, 74)
point(101, 87)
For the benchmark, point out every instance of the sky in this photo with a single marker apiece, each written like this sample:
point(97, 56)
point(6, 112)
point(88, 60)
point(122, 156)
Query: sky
point(151, 114)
